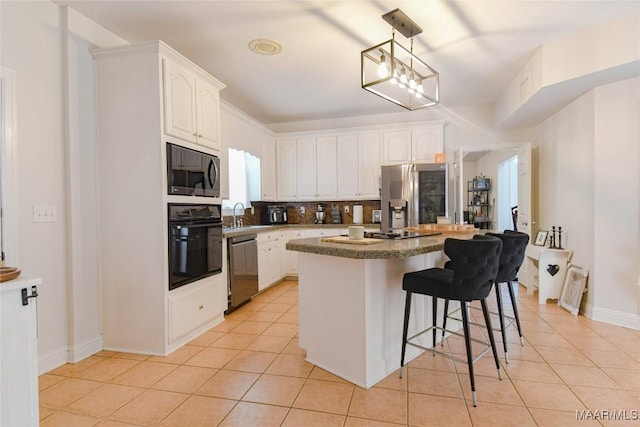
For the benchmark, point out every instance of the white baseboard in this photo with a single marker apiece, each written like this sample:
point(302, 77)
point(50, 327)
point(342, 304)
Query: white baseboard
point(52, 360)
point(619, 318)
point(62, 355)
point(83, 350)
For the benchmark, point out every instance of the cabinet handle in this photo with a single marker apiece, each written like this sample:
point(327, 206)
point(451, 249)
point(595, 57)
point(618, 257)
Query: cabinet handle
point(199, 135)
point(195, 134)
point(201, 307)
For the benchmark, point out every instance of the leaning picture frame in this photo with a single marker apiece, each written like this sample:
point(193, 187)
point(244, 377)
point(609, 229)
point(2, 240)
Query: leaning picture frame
point(541, 238)
point(574, 284)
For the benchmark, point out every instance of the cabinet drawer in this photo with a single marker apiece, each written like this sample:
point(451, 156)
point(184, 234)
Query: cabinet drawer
point(189, 311)
point(270, 236)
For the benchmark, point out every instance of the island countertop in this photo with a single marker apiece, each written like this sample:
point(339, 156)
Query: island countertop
point(386, 249)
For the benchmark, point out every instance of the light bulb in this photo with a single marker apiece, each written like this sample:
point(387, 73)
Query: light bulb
point(383, 71)
point(412, 82)
point(403, 76)
point(394, 78)
point(419, 88)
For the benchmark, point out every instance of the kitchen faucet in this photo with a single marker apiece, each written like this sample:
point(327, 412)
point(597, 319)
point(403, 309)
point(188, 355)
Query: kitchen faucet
point(237, 222)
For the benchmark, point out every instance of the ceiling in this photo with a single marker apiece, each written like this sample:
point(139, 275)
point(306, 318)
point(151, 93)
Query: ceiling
point(478, 47)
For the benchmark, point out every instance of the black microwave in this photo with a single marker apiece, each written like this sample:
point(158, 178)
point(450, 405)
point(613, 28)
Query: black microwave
point(191, 172)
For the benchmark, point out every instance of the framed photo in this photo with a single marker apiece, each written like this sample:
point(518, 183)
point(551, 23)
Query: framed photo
point(573, 288)
point(541, 238)
point(480, 183)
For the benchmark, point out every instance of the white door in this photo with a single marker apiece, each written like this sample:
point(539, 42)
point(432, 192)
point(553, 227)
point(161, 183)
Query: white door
point(368, 166)
point(179, 102)
point(396, 147)
point(208, 115)
point(306, 154)
point(326, 165)
point(525, 219)
point(287, 175)
point(347, 149)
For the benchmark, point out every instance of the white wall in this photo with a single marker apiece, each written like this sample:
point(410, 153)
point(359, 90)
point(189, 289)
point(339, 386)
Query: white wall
point(589, 165)
point(64, 252)
point(617, 201)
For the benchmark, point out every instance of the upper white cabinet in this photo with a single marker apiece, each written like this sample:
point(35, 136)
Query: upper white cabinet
point(191, 106)
point(287, 169)
point(412, 145)
point(268, 166)
point(317, 178)
point(426, 141)
point(396, 146)
point(359, 166)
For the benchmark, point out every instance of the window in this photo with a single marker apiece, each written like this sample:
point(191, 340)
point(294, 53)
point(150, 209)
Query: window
point(244, 179)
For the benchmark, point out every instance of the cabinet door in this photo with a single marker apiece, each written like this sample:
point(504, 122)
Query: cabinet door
point(208, 115)
point(290, 257)
point(286, 169)
point(425, 143)
point(368, 160)
point(268, 147)
point(347, 150)
point(326, 168)
point(269, 263)
point(306, 162)
point(179, 102)
point(396, 147)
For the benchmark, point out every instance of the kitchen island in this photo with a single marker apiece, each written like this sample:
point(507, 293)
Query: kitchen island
point(351, 303)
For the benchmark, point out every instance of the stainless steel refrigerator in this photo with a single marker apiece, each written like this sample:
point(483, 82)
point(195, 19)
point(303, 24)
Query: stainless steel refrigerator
point(413, 194)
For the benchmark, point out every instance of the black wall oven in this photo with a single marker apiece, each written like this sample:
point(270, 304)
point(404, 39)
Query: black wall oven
point(195, 242)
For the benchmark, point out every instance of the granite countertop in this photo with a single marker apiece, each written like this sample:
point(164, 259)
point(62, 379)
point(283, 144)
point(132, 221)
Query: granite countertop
point(387, 249)
point(240, 231)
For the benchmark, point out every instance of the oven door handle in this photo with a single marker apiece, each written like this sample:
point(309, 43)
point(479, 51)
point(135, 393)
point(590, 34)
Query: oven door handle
point(179, 227)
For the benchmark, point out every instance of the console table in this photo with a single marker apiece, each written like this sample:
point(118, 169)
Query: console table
point(546, 269)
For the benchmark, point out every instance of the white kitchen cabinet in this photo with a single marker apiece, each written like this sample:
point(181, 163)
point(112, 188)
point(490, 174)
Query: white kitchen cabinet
point(270, 264)
point(191, 105)
point(396, 146)
point(359, 166)
point(426, 142)
point(412, 145)
point(138, 310)
point(287, 168)
point(268, 165)
point(192, 306)
point(290, 257)
point(19, 361)
point(317, 161)
point(324, 232)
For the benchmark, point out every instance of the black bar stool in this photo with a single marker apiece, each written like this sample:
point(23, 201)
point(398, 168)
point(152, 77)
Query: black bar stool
point(474, 268)
point(514, 244)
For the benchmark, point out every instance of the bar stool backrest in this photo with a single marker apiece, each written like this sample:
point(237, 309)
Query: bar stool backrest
point(475, 266)
point(513, 248)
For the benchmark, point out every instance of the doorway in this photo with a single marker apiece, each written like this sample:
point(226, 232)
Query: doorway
point(507, 193)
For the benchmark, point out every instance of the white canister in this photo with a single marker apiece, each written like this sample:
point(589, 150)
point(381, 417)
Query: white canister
point(356, 232)
point(357, 214)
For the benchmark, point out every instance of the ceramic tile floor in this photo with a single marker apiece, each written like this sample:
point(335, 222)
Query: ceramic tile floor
point(249, 371)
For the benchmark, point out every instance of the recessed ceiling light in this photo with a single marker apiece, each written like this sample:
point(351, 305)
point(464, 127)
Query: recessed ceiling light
point(265, 47)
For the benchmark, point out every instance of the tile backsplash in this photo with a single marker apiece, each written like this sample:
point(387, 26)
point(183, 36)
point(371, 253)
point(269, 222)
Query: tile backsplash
point(295, 215)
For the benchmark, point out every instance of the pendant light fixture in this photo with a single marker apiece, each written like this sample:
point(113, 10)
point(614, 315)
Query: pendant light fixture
point(393, 72)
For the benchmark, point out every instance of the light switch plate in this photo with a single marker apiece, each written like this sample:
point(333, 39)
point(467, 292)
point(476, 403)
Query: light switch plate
point(44, 213)
point(346, 208)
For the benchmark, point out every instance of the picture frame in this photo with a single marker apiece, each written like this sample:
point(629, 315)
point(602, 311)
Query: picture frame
point(541, 238)
point(574, 286)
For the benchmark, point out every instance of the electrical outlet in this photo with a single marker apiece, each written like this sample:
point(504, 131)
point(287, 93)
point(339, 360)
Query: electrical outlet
point(346, 208)
point(301, 210)
point(44, 213)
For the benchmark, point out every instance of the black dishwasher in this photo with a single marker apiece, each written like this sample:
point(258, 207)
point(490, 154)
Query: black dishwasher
point(243, 269)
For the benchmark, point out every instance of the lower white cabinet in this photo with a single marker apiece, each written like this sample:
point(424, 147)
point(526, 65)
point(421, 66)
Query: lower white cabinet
point(290, 257)
point(324, 232)
point(270, 265)
point(19, 360)
point(196, 305)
